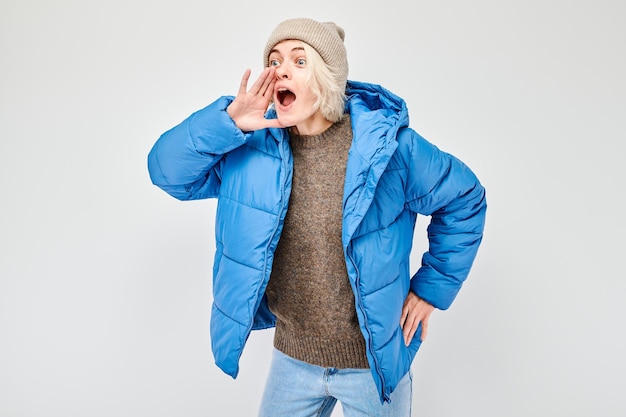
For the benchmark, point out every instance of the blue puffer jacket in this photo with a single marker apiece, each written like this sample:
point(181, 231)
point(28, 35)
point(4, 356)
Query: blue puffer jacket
point(392, 175)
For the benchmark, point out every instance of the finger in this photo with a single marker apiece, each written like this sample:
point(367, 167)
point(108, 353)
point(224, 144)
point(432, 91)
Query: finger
point(273, 123)
point(268, 83)
point(243, 86)
point(268, 92)
point(406, 308)
point(407, 326)
point(406, 333)
point(403, 316)
point(257, 87)
point(409, 332)
point(424, 329)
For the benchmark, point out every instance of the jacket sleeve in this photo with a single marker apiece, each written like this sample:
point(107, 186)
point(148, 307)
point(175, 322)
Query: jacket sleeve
point(441, 186)
point(184, 161)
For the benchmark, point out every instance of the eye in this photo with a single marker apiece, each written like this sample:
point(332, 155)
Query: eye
point(301, 61)
point(274, 62)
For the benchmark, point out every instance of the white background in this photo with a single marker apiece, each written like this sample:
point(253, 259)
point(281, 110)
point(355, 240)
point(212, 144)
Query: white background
point(105, 281)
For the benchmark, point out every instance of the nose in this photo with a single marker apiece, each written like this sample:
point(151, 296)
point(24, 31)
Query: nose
point(281, 72)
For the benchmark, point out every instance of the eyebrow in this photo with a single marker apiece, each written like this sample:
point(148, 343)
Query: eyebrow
point(297, 48)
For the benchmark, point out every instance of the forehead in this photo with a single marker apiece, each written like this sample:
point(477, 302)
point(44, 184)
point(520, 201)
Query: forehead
point(288, 46)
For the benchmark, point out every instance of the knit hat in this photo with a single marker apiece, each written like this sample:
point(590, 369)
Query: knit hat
point(325, 37)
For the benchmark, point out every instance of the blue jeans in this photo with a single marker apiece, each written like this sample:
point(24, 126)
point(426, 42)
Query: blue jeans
point(298, 389)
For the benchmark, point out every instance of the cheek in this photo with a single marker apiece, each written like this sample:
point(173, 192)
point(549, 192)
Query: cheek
point(308, 98)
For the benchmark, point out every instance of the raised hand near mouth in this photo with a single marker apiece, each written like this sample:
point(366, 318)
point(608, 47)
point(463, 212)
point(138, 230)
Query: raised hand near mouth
point(249, 107)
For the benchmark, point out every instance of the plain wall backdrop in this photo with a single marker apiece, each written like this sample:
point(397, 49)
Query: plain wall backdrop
point(105, 281)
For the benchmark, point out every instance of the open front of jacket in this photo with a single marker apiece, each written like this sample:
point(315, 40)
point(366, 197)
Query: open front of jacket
point(393, 174)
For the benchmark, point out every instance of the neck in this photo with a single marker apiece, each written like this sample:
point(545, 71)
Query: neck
point(312, 126)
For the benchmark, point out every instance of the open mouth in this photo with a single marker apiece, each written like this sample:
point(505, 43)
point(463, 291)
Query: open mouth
point(285, 97)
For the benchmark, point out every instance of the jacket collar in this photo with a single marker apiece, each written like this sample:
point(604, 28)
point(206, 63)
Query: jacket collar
point(377, 116)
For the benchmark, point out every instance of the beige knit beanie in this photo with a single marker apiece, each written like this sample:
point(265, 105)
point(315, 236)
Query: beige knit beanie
point(325, 37)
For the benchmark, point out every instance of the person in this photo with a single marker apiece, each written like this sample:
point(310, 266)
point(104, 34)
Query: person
point(319, 181)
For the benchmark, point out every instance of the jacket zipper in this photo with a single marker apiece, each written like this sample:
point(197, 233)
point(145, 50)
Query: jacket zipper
point(369, 333)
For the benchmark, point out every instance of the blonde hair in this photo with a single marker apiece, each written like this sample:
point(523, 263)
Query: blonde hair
point(331, 97)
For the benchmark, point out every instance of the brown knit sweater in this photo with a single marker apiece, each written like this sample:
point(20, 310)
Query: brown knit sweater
point(309, 291)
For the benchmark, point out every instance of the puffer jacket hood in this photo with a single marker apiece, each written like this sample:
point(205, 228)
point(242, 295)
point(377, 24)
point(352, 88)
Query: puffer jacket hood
point(392, 175)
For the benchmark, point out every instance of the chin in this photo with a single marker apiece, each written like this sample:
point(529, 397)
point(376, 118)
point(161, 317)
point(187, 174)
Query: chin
point(285, 120)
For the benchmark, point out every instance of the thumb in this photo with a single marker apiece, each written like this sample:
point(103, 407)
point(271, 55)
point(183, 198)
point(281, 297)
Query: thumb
point(273, 123)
